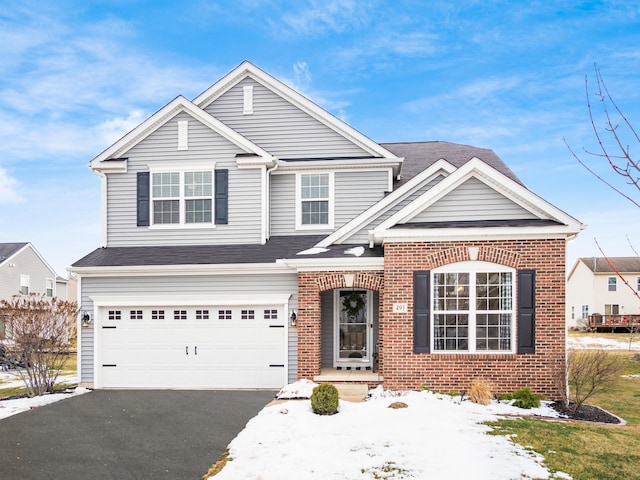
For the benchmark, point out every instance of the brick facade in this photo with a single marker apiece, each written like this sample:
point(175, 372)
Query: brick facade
point(404, 369)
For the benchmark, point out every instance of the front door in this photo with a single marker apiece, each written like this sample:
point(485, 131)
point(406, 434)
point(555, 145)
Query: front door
point(353, 329)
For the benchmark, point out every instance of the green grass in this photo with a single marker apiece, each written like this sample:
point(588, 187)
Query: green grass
point(588, 451)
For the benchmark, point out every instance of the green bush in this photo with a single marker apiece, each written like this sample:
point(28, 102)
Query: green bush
point(324, 399)
point(525, 398)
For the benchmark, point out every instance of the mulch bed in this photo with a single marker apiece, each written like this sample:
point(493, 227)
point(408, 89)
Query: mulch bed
point(587, 413)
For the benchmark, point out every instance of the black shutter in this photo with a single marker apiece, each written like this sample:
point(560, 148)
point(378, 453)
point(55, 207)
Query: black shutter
point(222, 197)
point(421, 311)
point(143, 199)
point(526, 311)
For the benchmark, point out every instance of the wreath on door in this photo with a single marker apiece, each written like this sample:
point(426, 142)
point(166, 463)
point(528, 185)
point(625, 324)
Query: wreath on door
point(352, 304)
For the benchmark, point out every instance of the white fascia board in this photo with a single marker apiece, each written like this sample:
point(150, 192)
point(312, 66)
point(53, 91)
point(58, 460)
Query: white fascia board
point(152, 300)
point(179, 270)
point(155, 121)
point(288, 166)
point(473, 234)
point(248, 69)
point(335, 264)
point(365, 217)
point(477, 168)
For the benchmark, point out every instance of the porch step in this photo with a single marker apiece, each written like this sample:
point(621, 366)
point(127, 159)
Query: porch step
point(354, 392)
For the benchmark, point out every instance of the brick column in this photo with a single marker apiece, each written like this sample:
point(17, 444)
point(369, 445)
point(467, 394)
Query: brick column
point(309, 333)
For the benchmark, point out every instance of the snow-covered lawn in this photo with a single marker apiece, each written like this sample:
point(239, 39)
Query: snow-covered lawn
point(595, 342)
point(436, 436)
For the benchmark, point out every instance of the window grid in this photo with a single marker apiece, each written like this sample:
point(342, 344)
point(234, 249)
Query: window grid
point(224, 315)
point(248, 314)
point(458, 326)
point(314, 194)
point(612, 283)
point(271, 314)
point(585, 311)
point(179, 314)
point(182, 197)
point(202, 314)
point(157, 314)
point(135, 315)
point(49, 287)
point(114, 315)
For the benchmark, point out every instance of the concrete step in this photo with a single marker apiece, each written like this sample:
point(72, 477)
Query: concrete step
point(353, 392)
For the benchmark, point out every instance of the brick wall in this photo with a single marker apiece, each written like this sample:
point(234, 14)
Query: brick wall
point(403, 369)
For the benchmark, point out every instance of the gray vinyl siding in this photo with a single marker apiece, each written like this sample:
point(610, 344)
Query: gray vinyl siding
point(354, 192)
point(327, 329)
point(292, 355)
point(473, 200)
point(26, 262)
point(176, 285)
point(279, 127)
point(362, 236)
point(160, 149)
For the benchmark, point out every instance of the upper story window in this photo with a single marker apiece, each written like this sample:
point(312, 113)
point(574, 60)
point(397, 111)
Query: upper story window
point(473, 308)
point(49, 285)
point(314, 207)
point(612, 283)
point(182, 197)
point(24, 284)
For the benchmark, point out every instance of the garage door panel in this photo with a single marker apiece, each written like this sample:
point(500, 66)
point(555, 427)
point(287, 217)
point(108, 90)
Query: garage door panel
point(241, 349)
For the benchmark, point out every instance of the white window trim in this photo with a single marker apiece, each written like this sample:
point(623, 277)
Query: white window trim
point(53, 286)
point(182, 225)
point(614, 284)
point(331, 199)
point(474, 267)
point(346, 362)
point(25, 281)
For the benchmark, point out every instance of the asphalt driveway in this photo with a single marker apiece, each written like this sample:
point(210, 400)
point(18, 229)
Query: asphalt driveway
point(118, 434)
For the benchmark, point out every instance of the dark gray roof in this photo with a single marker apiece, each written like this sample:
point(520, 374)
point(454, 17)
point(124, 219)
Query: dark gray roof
point(621, 264)
point(526, 222)
point(418, 156)
point(275, 249)
point(8, 249)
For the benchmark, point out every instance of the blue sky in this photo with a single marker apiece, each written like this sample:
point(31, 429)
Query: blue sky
point(505, 75)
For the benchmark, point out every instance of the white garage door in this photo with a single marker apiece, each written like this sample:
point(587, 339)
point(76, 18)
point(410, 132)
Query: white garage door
point(192, 347)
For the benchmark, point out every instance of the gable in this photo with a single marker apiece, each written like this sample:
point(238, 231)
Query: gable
point(280, 127)
point(472, 200)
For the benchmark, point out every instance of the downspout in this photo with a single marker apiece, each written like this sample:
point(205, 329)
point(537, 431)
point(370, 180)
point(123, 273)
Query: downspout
point(266, 207)
point(103, 207)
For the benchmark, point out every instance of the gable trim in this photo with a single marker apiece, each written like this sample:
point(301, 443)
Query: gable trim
point(161, 117)
point(40, 257)
point(247, 69)
point(504, 185)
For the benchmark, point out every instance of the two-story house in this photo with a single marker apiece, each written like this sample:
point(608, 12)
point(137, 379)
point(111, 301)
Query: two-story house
point(605, 290)
point(250, 238)
point(23, 270)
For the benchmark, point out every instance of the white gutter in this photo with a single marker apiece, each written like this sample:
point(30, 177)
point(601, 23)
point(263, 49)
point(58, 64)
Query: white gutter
point(266, 206)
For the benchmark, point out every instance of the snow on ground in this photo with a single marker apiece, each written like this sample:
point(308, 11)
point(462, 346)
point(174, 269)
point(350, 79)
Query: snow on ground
point(437, 436)
point(19, 405)
point(593, 342)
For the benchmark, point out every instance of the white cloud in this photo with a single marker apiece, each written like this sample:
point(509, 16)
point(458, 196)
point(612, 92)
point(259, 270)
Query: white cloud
point(8, 188)
point(112, 129)
point(329, 16)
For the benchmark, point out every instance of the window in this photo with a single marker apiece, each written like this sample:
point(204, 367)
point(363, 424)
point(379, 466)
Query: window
point(115, 315)
point(585, 311)
point(271, 314)
point(638, 284)
point(179, 314)
point(202, 314)
point(315, 204)
point(135, 315)
point(24, 284)
point(157, 314)
point(248, 314)
point(224, 315)
point(473, 308)
point(612, 309)
point(182, 197)
point(612, 283)
point(573, 313)
point(49, 287)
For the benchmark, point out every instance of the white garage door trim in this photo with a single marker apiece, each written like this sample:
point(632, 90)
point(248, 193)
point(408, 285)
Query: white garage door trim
point(104, 356)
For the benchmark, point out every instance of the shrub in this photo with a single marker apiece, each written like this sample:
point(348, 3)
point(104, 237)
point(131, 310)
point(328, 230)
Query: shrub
point(525, 398)
point(590, 372)
point(324, 399)
point(480, 392)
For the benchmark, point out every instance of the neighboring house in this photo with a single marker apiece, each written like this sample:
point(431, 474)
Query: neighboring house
point(23, 270)
point(250, 238)
point(594, 287)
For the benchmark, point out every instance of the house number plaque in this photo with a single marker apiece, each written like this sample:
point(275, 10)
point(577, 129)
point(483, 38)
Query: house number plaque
point(400, 308)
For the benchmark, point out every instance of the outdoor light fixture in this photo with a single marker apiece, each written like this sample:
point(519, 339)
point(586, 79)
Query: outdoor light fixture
point(293, 318)
point(86, 319)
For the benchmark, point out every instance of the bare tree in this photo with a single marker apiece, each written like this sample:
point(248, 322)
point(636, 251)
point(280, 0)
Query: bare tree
point(588, 373)
point(39, 331)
